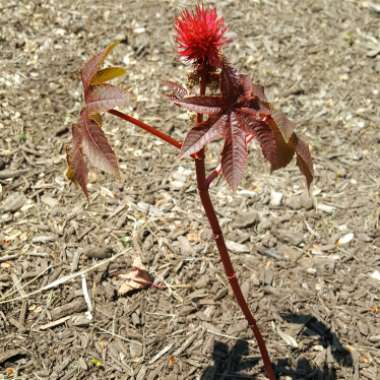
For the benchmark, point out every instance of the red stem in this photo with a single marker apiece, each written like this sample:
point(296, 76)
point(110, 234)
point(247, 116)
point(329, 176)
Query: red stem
point(148, 128)
point(203, 184)
point(227, 264)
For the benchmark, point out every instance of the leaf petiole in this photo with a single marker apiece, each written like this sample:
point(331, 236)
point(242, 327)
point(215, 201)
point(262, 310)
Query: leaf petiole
point(146, 127)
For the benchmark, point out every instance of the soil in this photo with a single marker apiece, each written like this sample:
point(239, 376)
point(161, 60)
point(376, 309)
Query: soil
point(309, 266)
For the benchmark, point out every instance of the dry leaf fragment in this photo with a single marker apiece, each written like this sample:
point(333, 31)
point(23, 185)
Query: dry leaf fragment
point(137, 278)
point(288, 339)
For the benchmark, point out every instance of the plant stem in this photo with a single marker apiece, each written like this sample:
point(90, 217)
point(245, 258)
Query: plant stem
point(203, 184)
point(227, 264)
point(148, 128)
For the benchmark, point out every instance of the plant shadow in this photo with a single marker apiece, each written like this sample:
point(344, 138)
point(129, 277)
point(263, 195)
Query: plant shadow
point(232, 364)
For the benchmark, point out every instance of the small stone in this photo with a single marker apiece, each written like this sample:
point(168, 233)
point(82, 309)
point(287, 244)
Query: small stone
point(135, 349)
point(294, 202)
point(276, 198)
point(201, 283)
point(291, 237)
point(44, 239)
point(268, 275)
point(13, 202)
point(98, 252)
point(237, 247)
point(49, 201)
point(264, 226)
point(307, 201)
point(269, 241)
point(363, 328)
point(247, 219)
point(311, 271)
point(135, 319)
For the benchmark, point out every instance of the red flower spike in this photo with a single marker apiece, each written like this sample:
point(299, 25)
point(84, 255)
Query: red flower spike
point(200, 36)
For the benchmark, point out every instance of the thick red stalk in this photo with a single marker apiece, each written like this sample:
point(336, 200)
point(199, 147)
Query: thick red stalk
point(203, 184)
point(148, 128)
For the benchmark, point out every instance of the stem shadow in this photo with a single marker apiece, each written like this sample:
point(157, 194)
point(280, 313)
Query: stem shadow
point(230, 364)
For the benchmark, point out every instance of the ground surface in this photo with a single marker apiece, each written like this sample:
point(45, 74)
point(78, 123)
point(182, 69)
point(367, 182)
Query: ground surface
point(313, 294)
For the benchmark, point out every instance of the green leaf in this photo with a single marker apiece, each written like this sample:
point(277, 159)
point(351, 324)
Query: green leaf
point(107, 74)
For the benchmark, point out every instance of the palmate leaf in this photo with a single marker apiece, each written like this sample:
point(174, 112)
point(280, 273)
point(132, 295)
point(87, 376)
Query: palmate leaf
point(234, 155)
point(246, 113)
point(90, 146)
point(201, 135)
point(107, 74)
point(92, 66)
point(89, 143)
point(97, 149)
point(104, 97)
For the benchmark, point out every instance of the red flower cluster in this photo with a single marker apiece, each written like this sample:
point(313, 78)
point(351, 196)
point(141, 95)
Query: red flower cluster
point(200, 36)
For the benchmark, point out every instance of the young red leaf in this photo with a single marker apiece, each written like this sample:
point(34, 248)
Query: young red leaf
point(285, 126)
point(178, 91)
point(96, 148)
point(200, 104)
point(247, 86)
point(245, 112)
point(230, 84)
point(258, 92)
point(104, 97)
point(92, 66)
point(234, 155)
point(272, 144)
point(77, 170)
point(199, 136)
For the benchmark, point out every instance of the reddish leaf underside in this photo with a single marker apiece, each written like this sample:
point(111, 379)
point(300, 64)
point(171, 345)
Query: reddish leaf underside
point(258, 91)
point(285, 126)
point(200, 104)
point(178, 91)
point(304, 160)
point(234, 155)
point(273, 146)
point(92, 66)
point(77, 166)
point(230, 83)
point(199, 136)
point(96, 148)
point(104, 97)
